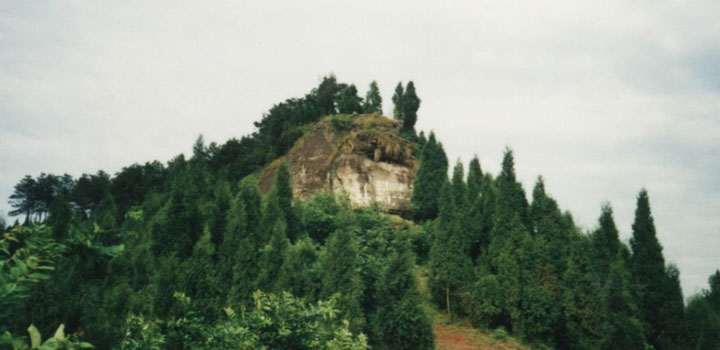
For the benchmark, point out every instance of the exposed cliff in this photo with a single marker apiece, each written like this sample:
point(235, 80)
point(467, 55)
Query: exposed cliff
point(360, 155)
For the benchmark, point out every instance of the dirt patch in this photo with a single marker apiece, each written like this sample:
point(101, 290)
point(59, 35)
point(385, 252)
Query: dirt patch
point(447, 338)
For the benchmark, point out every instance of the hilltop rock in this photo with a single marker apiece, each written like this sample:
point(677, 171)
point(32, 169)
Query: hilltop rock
point(362, 156)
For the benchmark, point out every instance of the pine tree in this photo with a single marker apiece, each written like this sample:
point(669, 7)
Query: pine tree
point(398, 101)
point(410, 105)
point(250, 196)
point(284, 198)
point(298, 274)
point(450, 265)
point(672, 313)
point(348, 100)
point(622, 330)
point(339, 264)
point(475, 210)
point(429, 179)
point(235, 236)
point(400, 322)
point(713, 294)
point(511, 196)
point(219, 211)
point(605, 243)
point(373, 100)
point(584, 312)
point(324, 94)
point(272, 257)
point(648, 268)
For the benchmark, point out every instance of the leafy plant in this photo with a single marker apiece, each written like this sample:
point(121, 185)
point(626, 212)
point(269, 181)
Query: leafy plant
point(59, 341)
point(26, 255)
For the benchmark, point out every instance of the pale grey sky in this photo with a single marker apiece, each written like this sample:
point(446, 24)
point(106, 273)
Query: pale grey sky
point(600, 97)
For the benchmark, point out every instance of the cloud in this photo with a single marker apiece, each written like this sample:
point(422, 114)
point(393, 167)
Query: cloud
point(601, 97)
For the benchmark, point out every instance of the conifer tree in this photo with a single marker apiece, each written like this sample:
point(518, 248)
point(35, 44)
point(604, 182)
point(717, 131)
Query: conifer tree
point(648, 268)
point(373, 100)
point(511, 196)
point(672, 312)
point(348, 100)
point(582, 298)
point(622, 330)
point(398, 101)
point(410, 105)
point(201, 284)
point(713, 294)
point(339, 263)
point(475, 210)
point(450, 265)
point(284, 198)
point(506, 254)
point(272, 258)
point(324, 94)
point(250, 196)
point(429, 179)
point(299, 273)
point(605, 243)
point(235, 236)
point(400, 322)
point(219, 211)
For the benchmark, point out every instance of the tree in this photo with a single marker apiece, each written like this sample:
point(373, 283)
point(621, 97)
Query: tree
point(272, 257)
point(410, 105)
point(648, 268)
point(605, 243)
point(339, 263)
point(585, 313)
point(348, 100)
point(713, 294)
point(400, 322)
point(373, 100)
point(672, 313)
point(450, 265)
point(299, 272)
point(511, 196)
point(283, 188)
point(475, 208)
point(429, 179)
point(22, 198)
point(622, 330)
point(325, 93)
point(398, 101)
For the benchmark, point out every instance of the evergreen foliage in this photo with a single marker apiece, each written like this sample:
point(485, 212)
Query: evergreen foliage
point(189, 255)
point(648, 270)
point(429, 180)
point(373, 100)
point(399, 322)
point(348, 100)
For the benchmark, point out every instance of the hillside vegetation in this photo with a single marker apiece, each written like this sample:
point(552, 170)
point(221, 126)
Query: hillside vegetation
point(215, 251)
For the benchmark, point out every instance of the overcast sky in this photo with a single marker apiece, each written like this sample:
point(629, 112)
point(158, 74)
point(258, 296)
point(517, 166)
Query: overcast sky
point(602, 98)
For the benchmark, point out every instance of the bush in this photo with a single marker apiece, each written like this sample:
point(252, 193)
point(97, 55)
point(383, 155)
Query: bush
point(342, 123)
point(499, 334)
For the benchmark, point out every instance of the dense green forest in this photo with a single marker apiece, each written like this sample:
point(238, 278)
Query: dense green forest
point(191, 255)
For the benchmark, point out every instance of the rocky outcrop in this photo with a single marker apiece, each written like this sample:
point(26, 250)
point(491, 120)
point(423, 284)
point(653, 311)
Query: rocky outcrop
point(362, 156)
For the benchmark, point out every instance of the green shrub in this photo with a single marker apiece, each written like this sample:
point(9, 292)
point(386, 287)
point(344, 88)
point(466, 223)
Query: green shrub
point(499, 334)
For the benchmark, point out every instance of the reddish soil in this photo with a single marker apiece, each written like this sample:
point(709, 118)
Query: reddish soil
point(449, 338)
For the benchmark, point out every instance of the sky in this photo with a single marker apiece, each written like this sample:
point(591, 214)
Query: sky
point(602, 98)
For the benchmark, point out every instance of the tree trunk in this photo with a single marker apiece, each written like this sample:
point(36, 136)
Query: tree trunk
point(447, 301)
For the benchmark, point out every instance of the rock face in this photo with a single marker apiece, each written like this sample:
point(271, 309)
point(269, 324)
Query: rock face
point(362, 156)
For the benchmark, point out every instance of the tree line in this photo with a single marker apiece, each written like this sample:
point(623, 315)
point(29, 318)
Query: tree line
point(189, 254)
point(502, 261)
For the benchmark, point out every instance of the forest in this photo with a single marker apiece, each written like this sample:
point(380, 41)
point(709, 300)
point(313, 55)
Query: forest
point(190, 254)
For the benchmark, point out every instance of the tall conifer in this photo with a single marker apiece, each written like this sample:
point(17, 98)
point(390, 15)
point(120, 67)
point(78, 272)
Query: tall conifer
point(429, 179)
point(648, 268)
